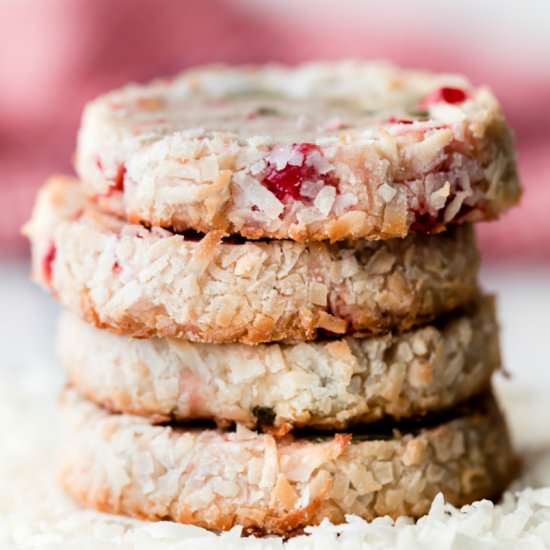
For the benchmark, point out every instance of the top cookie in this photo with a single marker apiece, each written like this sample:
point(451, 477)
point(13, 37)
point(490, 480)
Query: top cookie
point(333, 151)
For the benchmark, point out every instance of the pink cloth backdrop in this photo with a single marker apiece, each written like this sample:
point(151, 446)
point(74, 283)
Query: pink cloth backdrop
point(57, 54)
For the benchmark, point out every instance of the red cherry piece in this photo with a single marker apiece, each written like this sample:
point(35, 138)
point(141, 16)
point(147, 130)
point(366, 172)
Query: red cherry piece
point(425, 223)
point(47, 262)
point(397, 120)
point(118, 180)
point(118, 184)
point(287, 181)
point(428, 223)
point(445, 94)
point(77, 214)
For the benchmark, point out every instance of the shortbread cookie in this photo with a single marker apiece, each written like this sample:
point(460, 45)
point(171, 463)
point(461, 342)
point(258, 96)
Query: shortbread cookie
point(145, 282)
point(327, 385)
point(333, 151)
point(125, 465)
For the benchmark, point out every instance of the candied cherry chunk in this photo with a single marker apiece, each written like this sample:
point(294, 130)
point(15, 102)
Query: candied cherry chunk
point(445, 94)
point(117, 185)
point(397, 120)
point(47, 262)
point(117, 179)
point(118, 182)
point(287, 181)
point(425, 222)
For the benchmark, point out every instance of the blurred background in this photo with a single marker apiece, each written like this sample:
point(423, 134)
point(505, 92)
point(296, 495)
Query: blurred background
point(58, 54)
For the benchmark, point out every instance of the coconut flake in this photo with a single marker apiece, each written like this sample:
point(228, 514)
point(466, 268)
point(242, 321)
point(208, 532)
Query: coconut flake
point(325, 199)
point(386, 191)
point(253, 193)
point(282, 155)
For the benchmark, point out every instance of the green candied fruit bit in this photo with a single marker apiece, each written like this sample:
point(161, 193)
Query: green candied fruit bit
point(355, 438)
point(421, 114)
point(249, 93)
point(322, 438)
point(267, 111)
point(264, 415)
point(350, 104)
point(361, 438)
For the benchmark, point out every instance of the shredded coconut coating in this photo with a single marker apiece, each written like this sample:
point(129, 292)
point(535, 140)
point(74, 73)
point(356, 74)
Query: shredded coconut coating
point(335, 151)
point(122, 464)
point(143, 282)
point(327, 385)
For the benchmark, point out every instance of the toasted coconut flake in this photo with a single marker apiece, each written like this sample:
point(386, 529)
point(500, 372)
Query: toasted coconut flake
point(283, 496)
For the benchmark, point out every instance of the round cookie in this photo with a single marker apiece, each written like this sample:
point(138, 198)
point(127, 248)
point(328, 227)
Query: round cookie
point(151, 282)
point(278, 387)
point(124, 465)
point(335, 151)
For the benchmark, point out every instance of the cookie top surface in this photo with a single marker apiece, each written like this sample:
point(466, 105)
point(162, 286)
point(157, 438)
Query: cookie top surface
point(321, 151)
point(304, 104)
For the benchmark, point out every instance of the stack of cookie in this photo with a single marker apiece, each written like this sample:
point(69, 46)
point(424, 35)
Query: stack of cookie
point(272, 310)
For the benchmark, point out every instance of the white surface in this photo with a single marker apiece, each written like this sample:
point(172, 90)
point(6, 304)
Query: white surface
point(33, 514)
point(524, 312)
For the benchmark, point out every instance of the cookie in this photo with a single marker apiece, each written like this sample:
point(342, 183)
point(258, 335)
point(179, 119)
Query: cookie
point(125, 465)
point(335, 151)
point(276, 387)
point(151, 282)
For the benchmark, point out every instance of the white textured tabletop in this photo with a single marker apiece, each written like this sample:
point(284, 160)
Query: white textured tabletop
point(33, 514)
